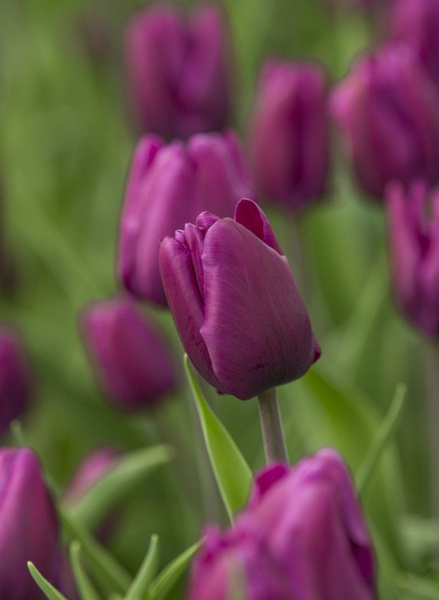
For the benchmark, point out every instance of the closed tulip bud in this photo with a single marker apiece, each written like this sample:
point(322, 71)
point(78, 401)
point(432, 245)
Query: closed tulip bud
point(15, 381)
point(131, 359)
point(169, 186)
point(302, 536)
point(93, 468)
point(28, 527)
point(413, 229)
point(178, 70)
point(388, 110)
point(235, 303)
point(289, 144)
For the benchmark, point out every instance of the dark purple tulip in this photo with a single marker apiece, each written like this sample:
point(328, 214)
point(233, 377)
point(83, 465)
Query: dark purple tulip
point(388, 111)
point(414, 249)
point(301, 537)
point(289, 143)
point(169, 186)
point(15, 382)
point(132, 360)
point(235, 303)
point(28, 526)
point(177, 70)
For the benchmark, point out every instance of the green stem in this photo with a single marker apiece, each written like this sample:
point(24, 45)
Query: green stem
point(272, 429)
point(433, 418)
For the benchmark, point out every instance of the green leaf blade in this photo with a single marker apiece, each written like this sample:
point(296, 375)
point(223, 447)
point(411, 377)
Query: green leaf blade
point(163, 583)
point(146, 572)
point(85, 586)
point(46, 587)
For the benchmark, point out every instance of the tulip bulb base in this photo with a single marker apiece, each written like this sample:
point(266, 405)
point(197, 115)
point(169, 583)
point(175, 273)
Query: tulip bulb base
point(272, 429)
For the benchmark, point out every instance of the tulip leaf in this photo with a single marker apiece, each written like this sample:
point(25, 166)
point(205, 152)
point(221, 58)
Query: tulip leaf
point(232, 473)
point(146, 572)
point(43, 584)
point(418, 588)
point(84, 584)
point(119, 483)
point(165, 580)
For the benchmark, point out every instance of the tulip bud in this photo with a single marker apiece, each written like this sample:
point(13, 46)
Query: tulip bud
point(413, 229)
point(177, 70)
point(94, 467)
point(289, 143)
point(235, 304)
point(132, 361)
point(169, 186)
point(388, 110)
point(302, 536)
point(15, 383)
point(28, 526)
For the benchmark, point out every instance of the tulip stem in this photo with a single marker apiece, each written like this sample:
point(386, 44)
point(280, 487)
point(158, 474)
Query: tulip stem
point(433, 417)
point(272, 429)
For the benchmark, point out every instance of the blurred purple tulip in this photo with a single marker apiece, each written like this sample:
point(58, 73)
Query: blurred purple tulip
point(15, 380)
point(169, 186)
point(235, 304)
point(388, 111)
point(92, 469)
point(178, 70)
point(132, 360)
point(28, 526)
point(289, 145)
point(302, 536)
point(413, 228)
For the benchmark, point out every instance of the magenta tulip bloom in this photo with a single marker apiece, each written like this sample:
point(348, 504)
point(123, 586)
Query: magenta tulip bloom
point(388, 111)
point(169, 186)
point(132, 361)
point(178, 70)
point(289, 145)
point(235, 304)
point(414, 250)
point(93, 468)
point(28, 526)
point(302, 536)
point(15, 381)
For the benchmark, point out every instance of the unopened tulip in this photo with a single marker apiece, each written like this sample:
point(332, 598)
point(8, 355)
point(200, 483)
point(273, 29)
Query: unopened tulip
point(28, 527)
point(178, 70)
point(413, 227)
point(302, 536)
point(388, 111)
point(235, 304)
point(132, 360)
point(169, 186)
point(15, 384)
point(289, 143)
point(93, 468)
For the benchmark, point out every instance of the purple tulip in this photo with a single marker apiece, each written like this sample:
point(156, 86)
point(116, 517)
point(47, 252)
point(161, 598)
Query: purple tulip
point(177, 70)
point(414, 249)
point(132, 360)
point(28, 526)
point(289, 143)
point(15, 381)
point(235, 303)
point(388, 110)
point(302, 536)
point(169, 186)
point(93, 468)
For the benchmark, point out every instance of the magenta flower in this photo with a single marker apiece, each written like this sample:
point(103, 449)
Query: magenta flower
point(178, 70)
point(92, 469)
point(169, 186)
point(302, 536)
point(289, 145)
point(235, 304)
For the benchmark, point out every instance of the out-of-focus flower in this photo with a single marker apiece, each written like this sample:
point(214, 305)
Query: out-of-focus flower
point(15, 380)
point(178, 70)
point(235, 304)
point(28, 526)
point(132, 360)
point(388, 110)
point(169, 186)
point(413, 229)
point(302, 536)
point(289, 145)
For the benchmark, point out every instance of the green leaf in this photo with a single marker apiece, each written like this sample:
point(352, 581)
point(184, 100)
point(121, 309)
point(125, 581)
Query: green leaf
point(85, 586)
point(164, 582)
point(43, 584)
point(146, 572)
point(119, 483)
point(382, 438)
point(232, 473)
point(418, 588)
